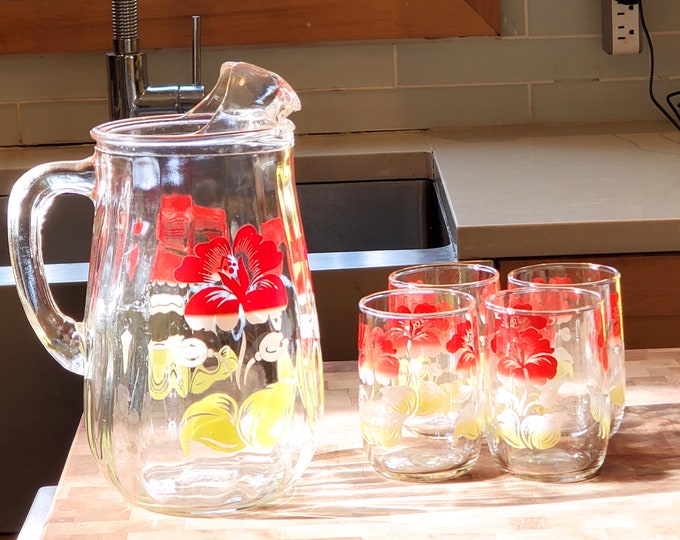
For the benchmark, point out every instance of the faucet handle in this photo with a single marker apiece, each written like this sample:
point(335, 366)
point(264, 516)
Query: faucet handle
point(189, 95)
point(196, 50)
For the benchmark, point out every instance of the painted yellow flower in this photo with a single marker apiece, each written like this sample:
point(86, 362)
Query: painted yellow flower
point(211, 422)
point(534, 431)
point(379, 425)
point(400, 400)
point(432, 399)
point(265, 415)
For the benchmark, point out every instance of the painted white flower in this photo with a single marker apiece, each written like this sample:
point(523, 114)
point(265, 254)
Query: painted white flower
point(166, 303)
point(272, 347)
point(187, 352)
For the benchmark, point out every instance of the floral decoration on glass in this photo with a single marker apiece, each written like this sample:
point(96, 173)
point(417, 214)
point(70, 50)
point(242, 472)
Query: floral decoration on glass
point(420, 383)
point(478, 280)
point(234, 288)
point(606, 281)
point(546, 384)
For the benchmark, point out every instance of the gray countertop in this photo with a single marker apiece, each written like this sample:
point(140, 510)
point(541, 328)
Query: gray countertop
point(522, 193)
point(513, 192)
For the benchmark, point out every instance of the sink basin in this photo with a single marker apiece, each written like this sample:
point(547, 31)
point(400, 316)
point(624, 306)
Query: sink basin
point(371, 215)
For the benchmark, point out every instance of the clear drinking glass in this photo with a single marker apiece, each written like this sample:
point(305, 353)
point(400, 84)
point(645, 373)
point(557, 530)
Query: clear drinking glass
point(606, 281)
point(420, 391)
point(546, 384)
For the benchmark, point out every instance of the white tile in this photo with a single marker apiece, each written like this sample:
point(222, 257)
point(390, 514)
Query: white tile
point(52, 76)
point(512, 18)
point(310, 67)
point(55, 122)
point(493, 60)
point(592, 102)
point(9, 125)
point(411, 108)
point(560, 17)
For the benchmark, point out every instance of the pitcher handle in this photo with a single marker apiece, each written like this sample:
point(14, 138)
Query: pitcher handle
point(29, 201)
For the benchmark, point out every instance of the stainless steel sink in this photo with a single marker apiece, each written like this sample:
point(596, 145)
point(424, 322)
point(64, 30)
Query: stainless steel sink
point(372, 215)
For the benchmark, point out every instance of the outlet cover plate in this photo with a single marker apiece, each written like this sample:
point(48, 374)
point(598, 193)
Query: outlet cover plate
point(621, 27)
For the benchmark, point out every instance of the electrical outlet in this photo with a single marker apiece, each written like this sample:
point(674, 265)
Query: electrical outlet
point(621, 26)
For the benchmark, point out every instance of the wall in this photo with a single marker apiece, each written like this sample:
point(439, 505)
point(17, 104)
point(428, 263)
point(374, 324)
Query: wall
point(547, 67)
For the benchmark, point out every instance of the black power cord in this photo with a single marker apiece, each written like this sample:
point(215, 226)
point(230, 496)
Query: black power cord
point(675, 117)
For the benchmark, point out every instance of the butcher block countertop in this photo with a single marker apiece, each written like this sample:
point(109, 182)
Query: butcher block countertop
point(635, 496)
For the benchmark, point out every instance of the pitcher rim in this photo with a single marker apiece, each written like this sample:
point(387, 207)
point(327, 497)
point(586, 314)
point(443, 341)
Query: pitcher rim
point(122, 131)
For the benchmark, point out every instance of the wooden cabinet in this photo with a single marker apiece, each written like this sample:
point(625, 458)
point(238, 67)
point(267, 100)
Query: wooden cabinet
point(84, 25)
point(650, 291)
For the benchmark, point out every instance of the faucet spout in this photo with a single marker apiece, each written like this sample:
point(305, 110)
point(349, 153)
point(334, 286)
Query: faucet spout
point(128, 84)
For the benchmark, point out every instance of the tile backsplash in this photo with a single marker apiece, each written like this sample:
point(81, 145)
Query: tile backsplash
point(547, 67)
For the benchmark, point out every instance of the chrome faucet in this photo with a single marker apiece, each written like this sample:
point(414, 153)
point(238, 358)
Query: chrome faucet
point(129, 91)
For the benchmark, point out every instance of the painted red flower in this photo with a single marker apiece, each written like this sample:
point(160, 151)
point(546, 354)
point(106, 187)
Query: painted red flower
point(417, 337)
point(377, 356)
point(527, 356)
point(242, 278)
point(464, 340)
point(615, 311)
point(554, 301)
point(601, 344)
point(524, 321)
point(180, 226)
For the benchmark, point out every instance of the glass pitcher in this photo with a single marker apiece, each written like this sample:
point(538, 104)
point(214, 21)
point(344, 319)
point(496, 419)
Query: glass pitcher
point(199, 346)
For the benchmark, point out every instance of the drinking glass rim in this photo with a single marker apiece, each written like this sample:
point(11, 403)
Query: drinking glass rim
point(368, 310)
point(494, 275)
point(615, 274)
point(597, 301)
